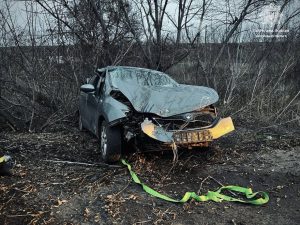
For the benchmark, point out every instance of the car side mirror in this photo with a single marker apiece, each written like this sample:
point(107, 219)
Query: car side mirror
point(87, 88)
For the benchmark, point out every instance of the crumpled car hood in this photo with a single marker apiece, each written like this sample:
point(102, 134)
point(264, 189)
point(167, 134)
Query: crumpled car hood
point(167, 100)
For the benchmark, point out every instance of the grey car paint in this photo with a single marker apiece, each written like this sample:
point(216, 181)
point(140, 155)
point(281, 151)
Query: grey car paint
point(162, 98)
point(161, 95)
point(95, 107)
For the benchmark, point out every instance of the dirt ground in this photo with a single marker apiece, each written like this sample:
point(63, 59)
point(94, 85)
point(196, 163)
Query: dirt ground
point(44, 190)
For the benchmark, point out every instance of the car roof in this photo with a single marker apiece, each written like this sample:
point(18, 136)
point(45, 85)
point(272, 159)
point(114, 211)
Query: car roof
point(122, 67)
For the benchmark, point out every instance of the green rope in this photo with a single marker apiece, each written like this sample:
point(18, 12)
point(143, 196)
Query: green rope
point(215, 196)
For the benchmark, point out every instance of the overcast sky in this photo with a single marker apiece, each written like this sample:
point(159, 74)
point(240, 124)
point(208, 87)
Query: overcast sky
point(20, 16)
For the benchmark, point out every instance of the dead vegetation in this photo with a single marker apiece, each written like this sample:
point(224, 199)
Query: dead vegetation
point(41, 72)
point(58, 175)
point(60, 179)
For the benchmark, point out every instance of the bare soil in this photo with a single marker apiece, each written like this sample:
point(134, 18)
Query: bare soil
point(45, 191)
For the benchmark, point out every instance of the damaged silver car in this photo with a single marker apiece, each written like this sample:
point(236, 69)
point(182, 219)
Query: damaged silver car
point(119, 104)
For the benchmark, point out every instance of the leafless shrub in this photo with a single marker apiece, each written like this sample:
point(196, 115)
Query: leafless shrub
point(202, 42)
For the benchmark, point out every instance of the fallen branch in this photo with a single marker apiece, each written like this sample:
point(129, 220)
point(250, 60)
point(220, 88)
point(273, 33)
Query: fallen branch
point(83, 164)
point(200, 188)
point(6, 203)
point(222, 185)
point(218, 182)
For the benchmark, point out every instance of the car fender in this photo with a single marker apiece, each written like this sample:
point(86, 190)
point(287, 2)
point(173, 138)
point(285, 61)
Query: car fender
point(112, 111)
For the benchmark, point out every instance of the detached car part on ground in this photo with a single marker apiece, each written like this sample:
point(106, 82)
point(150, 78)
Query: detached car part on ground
point(6, 165)
point(121, 104)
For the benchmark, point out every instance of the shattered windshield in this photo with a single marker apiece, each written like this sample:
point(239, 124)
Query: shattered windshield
point(142, 77)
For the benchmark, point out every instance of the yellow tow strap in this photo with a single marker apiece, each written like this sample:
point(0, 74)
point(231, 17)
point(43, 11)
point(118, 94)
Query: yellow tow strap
point(216, 196)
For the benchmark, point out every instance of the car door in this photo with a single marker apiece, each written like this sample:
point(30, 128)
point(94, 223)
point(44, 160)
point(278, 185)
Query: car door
point(88, 104)
point(83, 106)
point(94, 103)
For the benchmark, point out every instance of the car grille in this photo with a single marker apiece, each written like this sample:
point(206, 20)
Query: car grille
point(180, 122)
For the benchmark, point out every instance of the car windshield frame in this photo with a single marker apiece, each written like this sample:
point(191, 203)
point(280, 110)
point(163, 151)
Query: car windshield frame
point(141, 77)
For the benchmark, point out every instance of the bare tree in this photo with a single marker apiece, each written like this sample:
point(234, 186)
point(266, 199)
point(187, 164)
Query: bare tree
point(199, 42)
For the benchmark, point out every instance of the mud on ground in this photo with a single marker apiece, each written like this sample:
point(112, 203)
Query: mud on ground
point(44, 191)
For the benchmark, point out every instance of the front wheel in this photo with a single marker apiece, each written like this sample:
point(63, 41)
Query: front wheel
point(110, 143)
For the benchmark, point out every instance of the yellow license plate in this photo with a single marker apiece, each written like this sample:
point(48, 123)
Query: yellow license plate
point(192, 136)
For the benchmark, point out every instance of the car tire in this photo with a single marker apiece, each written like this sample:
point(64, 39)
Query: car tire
point(110, 143)
point(80, 126)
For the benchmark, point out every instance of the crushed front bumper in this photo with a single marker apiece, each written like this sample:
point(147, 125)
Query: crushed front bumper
point(191, 136)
